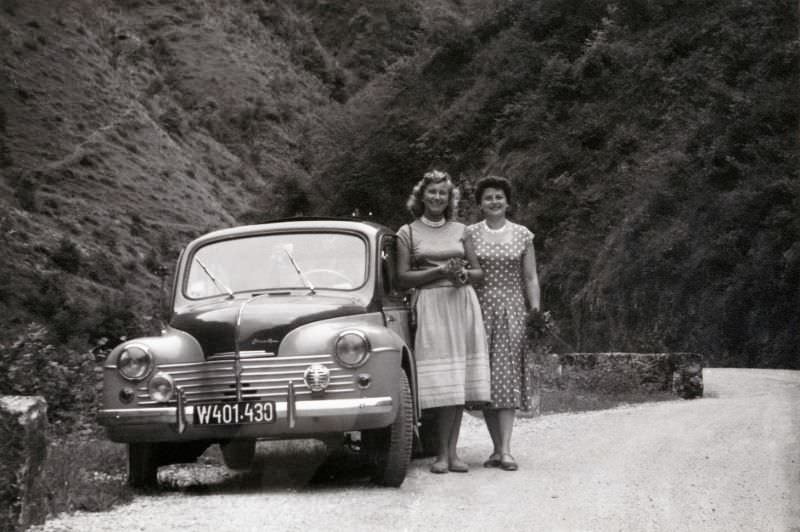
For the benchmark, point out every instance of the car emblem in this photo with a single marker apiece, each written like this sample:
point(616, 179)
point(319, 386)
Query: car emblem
point(317, 377)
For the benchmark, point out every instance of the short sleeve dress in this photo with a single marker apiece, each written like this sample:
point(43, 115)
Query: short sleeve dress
point(502, 300)
point(450, 343)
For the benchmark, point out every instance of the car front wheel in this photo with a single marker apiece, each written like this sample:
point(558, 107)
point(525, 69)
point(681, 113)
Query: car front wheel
point(389, 449)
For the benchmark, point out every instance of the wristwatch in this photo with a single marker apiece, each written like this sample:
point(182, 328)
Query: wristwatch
point(463, 277)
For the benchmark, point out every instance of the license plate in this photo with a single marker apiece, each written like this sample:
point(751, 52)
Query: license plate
point(235, 413)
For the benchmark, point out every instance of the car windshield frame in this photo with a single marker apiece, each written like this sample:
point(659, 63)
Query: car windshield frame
point(278, 257)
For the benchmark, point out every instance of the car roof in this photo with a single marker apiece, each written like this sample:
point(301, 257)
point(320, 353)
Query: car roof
point(307, 223)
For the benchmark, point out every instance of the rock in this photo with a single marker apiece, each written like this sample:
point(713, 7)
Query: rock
point(23, 449)
point(687, 375)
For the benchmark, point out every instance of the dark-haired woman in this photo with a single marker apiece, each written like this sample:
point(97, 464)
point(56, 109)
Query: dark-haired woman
point(450, 343)
point(509, 291)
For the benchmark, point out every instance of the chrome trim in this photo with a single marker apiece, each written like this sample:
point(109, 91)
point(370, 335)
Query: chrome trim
point(384, 349)
point(314, 408)
point(262, 377)
point(237, 356)
point(182, 423)
point(291, 405)
point(243, 354)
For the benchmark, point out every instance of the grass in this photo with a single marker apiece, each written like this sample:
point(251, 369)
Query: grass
point(85, 473)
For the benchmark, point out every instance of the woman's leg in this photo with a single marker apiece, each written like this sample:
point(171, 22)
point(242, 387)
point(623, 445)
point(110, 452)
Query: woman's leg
point(449, 421)
point(493, 425)
point(444, 420)
point(505, 424)
point(455, 463)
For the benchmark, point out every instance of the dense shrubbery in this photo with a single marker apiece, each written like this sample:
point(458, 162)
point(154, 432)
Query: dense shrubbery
point(63, 376)
point(655, 155)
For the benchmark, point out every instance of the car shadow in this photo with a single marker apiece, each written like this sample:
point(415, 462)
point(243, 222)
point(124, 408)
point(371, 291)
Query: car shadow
point(278, 466)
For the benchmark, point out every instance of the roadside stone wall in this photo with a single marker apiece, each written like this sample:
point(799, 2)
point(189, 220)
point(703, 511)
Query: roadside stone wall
point(23, 449)
point(617, 374)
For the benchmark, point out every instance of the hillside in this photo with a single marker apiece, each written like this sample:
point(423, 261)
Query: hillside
point(653, 147)
point(128, 127)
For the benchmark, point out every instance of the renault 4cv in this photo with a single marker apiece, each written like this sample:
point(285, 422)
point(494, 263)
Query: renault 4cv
point(289, 329)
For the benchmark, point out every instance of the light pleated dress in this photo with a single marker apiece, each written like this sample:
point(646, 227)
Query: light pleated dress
point(450, 343)
point(502, 299)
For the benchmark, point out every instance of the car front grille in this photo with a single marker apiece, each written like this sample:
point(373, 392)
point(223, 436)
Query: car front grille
point(263, 377)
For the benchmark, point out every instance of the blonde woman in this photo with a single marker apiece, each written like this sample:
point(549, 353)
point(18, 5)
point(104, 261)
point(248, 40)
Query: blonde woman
point(450, 344)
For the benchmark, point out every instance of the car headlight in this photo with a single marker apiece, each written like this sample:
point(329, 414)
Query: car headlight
point(161, 387)
point(135, 362)
point(352, 349)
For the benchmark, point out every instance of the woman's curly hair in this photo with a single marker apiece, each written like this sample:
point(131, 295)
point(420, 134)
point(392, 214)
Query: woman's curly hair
point(498, 182)
point(414, 203)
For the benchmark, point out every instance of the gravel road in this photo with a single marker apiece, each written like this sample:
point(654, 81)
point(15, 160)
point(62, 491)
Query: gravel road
point(729, 461)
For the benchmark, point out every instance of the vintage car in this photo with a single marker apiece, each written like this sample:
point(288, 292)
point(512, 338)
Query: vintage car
point(289, 329)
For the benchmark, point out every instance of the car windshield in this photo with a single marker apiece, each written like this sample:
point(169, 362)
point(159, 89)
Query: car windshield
point(332, 261)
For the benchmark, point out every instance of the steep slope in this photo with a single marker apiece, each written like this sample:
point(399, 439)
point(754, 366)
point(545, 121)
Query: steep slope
point(128, 127)
point(654, 150)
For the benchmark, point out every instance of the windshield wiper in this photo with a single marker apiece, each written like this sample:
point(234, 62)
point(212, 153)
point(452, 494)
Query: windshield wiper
point(218, 284)
point(299, 271)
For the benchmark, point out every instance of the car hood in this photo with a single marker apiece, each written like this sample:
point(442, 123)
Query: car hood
point(264, 320)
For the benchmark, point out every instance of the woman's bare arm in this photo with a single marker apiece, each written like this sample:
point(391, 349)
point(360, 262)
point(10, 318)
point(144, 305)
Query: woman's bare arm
point(532, 291)
point(474, 271)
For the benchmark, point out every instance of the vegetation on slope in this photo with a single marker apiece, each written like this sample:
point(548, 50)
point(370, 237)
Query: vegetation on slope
point(654, 150)
point(127, 127)
point(653, 147)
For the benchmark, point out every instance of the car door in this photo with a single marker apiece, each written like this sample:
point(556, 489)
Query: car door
point(394, 301)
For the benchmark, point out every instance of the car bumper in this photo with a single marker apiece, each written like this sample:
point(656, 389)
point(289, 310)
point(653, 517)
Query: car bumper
point(293, 420)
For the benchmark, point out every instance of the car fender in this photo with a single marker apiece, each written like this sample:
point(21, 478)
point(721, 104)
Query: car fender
point(320, 337)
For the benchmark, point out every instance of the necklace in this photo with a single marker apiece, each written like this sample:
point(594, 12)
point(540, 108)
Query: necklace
point(432, 223)
point(490, 230)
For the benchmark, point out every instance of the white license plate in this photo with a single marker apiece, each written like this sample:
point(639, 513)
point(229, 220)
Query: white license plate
point(235, 413)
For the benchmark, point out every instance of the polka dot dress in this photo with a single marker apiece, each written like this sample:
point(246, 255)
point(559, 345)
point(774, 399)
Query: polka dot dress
point(502, 300)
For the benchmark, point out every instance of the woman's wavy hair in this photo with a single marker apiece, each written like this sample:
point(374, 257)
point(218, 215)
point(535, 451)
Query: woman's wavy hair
point(493, 181)
point(414, 203)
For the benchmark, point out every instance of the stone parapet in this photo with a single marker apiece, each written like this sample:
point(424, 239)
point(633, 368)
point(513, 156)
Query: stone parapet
point(609, 375)
point(23, 449)
point(625, 372)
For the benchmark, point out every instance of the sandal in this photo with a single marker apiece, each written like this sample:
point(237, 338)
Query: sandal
point(439, 468)
point(458, 466)
point(493, 461)
point(507, 463)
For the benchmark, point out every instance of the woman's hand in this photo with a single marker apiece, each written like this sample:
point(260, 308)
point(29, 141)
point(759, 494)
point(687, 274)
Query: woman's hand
point(459, 271)
point(538, 324)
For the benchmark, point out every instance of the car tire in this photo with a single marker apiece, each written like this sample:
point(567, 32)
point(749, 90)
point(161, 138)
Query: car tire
point(389, 449)
point(143, 462)
point(238, 454)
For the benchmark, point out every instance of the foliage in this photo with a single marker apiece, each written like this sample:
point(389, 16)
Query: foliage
point(84, 473)
point(654, 152)
point(63, 376)
point(67, 256)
